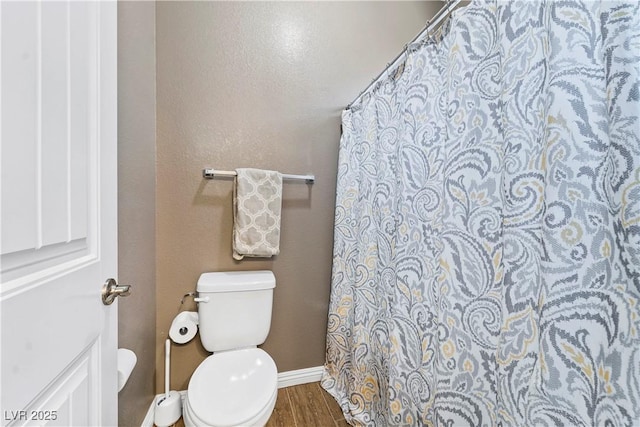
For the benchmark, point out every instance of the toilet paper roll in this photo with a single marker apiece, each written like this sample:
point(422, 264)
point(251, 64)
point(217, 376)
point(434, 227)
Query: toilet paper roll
point(126, 362)
point(184, 327)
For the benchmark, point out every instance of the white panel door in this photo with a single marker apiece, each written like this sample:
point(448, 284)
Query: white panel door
point(58, 212)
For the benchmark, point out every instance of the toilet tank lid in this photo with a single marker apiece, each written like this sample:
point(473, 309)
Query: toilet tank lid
point(229, 281)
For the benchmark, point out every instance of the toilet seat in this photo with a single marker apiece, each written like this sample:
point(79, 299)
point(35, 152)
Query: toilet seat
point(233, 388)
point(260, 420)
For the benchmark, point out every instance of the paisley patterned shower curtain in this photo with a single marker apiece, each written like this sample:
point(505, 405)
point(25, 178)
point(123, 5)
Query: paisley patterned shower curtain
point(487, 231)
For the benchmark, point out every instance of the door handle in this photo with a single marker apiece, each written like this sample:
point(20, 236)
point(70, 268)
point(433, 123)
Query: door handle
point(111, 290)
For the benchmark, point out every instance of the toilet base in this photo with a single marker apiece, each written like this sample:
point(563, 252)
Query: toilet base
point(259, 420)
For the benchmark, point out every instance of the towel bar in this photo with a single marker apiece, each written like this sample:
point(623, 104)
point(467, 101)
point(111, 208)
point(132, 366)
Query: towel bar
point(209, 173)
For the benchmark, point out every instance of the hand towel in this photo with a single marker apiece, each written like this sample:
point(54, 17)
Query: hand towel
point(257, 204)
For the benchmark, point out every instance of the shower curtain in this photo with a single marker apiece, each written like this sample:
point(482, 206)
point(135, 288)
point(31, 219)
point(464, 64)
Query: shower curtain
point(487, 226)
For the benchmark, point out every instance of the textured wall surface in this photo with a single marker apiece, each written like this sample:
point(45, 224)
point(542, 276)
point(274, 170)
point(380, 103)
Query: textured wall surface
point(259, 84)
point(136, 202)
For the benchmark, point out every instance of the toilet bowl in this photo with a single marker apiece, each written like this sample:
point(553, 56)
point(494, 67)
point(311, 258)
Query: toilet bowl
point(238, 384)
point(232, 388)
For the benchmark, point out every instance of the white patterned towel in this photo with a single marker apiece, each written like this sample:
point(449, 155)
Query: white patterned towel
point(257, 203)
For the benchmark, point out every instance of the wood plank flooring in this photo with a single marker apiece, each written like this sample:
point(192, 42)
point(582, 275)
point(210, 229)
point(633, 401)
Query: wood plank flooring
point(306, 405)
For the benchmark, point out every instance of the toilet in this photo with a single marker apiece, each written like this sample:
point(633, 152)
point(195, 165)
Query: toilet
point(238, 384)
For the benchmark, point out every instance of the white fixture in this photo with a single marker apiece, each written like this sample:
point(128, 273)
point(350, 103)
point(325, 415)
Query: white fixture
point(126, 362)
point(237, 385)
point(168, 407)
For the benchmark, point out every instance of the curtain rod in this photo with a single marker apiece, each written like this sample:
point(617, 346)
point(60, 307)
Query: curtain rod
point(431, 24)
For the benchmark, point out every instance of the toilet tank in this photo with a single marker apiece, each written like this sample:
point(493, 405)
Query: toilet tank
point(236, 311)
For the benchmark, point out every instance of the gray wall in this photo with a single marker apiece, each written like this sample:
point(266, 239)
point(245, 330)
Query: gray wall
point(259, 84)
point(136, 202)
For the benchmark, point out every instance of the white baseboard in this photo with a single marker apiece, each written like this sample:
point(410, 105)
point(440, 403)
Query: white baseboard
point(300, 376)
point(148, 419)
point(285, 379)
